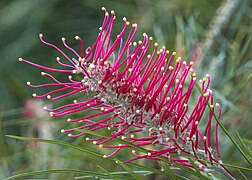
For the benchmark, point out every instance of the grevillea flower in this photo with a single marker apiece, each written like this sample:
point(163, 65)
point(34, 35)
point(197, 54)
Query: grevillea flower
point(138, 91)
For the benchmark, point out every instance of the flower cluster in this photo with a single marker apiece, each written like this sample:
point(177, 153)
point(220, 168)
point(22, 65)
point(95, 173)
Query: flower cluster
point(138, 96)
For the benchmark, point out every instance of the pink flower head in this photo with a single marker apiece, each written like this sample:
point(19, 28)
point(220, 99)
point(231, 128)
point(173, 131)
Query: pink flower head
point(141, 98)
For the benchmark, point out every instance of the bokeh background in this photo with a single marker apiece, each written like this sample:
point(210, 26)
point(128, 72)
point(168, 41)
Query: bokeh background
point(217, 34)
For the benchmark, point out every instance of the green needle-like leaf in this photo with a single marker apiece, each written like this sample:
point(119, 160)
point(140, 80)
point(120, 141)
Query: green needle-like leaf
point(244, 145)
point(50, 171)
point(170, 173)
point(107, 172)
point(131, 172)
point(84, 149)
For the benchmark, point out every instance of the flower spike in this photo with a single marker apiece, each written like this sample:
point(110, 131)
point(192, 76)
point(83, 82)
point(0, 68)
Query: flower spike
point(141, 98)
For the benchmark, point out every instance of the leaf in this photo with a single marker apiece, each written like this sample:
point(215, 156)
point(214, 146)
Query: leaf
point(150, 169)
point(50, 171)
point(153, 170)
point(249, 141)
point(118, 173)
point(170, 173)
point(107, 172)
point(244, 145)
point(131, 172)
point(242, 174)
point(84, 149)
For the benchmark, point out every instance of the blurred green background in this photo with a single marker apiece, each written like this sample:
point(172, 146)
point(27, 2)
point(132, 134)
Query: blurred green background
point(217, 34)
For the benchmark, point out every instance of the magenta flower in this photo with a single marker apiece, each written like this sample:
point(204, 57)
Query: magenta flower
point(142, 98)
